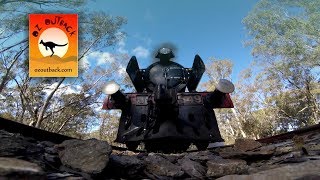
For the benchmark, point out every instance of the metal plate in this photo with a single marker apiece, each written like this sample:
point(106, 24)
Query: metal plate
point(141, 100)
point(191, 99)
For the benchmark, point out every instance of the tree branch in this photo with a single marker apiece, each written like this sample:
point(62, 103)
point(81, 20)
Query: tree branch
point(14, 45)
point(8, 70)
point(46, 104)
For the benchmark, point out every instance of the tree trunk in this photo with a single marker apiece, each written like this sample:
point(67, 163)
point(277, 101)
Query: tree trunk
point(238, 122)
point(46, 104)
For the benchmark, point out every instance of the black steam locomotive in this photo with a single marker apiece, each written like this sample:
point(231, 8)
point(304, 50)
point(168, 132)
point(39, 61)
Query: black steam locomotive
point(161, 114)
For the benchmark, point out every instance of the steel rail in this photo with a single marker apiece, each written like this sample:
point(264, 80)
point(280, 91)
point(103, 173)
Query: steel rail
point(290, 135)
point(43, 135)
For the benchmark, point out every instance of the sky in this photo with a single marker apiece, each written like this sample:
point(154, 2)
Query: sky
point(208, 28)
point(205, 27)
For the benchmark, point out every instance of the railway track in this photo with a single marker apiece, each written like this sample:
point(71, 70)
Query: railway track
point(38, 134)
point(291, 134)
point(42, 135)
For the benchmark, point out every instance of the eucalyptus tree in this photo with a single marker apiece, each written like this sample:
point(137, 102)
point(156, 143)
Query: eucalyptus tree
point(285, 36)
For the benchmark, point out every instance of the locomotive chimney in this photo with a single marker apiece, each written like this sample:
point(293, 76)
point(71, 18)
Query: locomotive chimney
point(165, 54)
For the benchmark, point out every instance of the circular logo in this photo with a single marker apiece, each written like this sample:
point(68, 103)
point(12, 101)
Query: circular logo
point(53, 41)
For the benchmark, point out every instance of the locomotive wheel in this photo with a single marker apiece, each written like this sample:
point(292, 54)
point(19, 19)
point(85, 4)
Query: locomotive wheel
point(201, 146)
point(167, 146)
point(132, 146)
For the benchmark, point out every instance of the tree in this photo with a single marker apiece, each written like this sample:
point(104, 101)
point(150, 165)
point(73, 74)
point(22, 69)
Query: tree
point(285, 39)
point(228, 120)
point(109, 127)
point(217, 69)
point(256, 115)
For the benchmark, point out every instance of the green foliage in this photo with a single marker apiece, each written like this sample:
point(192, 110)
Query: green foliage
point(108, 127)
point(284, 30)
point(278, 93)
point(217, 69)
point(285, 37)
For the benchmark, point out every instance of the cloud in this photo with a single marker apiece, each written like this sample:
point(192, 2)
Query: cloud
point(143, 39)
point(99, 57)
point(121, 37)
point(63, 89)
point(121, 47)
point(102, 57)
point(84, 63)
point(140, 52)
point(121, 70)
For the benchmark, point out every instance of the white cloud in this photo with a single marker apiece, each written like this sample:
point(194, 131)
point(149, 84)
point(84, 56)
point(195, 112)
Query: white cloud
point(50, 88)
point(121, 70)
point(84, 63)
point(121, 43)
point(121, 47)
point(99, 57)
point(102, 57)
point(63, 89)
point(140, 52)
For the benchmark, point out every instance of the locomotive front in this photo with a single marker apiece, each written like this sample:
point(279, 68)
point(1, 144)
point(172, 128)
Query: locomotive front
point(161, 114)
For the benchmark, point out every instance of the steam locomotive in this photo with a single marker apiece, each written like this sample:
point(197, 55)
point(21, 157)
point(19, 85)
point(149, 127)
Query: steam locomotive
point(162, 114)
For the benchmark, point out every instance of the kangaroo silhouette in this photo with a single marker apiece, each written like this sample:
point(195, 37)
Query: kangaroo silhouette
point(51, 45)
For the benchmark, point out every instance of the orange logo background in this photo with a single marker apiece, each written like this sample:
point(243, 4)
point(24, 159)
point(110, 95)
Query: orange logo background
point(57, 55)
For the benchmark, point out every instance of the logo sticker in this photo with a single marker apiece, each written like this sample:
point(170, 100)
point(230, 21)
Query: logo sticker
point(53, 45)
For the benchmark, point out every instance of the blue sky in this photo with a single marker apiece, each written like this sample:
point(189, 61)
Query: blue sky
point(208, 28)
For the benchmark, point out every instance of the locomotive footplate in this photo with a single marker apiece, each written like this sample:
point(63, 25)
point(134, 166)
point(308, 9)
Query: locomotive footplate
point(188, 120)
